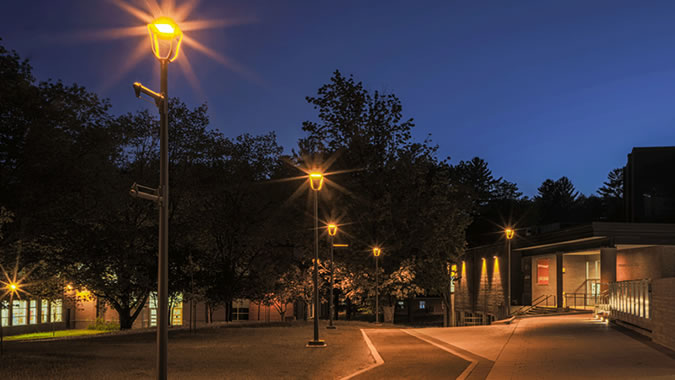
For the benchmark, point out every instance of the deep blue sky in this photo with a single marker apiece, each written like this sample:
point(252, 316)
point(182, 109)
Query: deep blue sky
point(539, 89)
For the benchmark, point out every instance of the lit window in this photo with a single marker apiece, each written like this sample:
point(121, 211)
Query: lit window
point(177, 311)
point(57, 311)
point(152, 305)
point(4, 313)
point(32, 312)
point(45, 311)
point(19, 312)
point(423, 305)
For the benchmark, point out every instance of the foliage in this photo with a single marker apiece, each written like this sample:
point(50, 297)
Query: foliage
point(101, 325)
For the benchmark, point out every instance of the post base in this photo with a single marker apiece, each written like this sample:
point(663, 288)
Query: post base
point(331, 327)
point(316, 344)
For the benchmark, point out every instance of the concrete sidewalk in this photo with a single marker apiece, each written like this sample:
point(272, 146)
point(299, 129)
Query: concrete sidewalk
point(561, 347)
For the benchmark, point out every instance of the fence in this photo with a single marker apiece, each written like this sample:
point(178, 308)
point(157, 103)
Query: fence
point(630, 301)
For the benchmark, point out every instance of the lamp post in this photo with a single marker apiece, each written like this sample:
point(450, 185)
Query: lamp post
point(376, 252)
point(332, 231)
point(509, 235)
point(316, 183)
point(165, 39)
point(11, 288)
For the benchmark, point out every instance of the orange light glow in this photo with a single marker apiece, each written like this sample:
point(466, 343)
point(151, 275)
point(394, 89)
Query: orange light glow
point(165, 38)
point(453, 270)
point(332, 229)
point(463, 269)
point(340, 245)
point(12, 286)
point(376, 251)
point(509, 233)
point(316, 181)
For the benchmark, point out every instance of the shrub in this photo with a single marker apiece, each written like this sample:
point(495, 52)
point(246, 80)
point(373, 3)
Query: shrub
point(102, 325)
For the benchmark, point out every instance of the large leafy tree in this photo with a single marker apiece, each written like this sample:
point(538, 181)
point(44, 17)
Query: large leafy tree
point(396, 193)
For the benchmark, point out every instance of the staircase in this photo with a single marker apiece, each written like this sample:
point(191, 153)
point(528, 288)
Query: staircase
point(540, 306)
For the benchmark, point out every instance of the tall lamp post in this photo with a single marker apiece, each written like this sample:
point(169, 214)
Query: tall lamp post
point(332, 231)
point(11, 288)
point(376, 252)
point(165, 38)
point(509, 235)
point(316, 183)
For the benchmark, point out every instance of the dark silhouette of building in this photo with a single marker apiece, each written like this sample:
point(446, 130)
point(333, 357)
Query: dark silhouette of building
point(649, 185)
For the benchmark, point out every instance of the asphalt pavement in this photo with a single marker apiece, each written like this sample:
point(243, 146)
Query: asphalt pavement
point(409, 357)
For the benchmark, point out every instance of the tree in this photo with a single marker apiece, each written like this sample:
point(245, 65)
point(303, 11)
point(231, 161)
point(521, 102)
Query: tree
point(612, 193)
point(556, 200)
point(400, 196)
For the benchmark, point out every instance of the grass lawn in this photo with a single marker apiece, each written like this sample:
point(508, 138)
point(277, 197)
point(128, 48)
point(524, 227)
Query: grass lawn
point(55, 334)
point(231, 352)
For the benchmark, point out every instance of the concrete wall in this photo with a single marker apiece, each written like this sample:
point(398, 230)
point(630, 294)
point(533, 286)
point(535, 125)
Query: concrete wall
point(539, 290)
point(648, 262)
point(663, 312)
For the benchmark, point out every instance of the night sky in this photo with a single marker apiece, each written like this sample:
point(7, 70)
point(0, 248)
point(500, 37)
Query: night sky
point(539, 89)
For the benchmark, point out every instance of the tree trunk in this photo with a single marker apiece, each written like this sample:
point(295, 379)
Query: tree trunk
point(126, 322)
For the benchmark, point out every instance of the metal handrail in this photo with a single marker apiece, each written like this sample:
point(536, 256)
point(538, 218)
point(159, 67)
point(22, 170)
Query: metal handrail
point(536, 302)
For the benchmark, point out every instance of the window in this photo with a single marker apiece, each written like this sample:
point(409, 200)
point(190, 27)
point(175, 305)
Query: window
point(57, 311)
point(4, 313)
point(19, 312)
point(45, 311)
point(542, 272)
point(423, 305)
point(32, 312)
point(177, 313)
point(152, 306)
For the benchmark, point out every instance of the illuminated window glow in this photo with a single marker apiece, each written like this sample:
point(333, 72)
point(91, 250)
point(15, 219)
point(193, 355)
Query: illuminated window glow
point(32, 312)
point(19, 312)
point(57, 311)
point(44, 317)
point(4, 313)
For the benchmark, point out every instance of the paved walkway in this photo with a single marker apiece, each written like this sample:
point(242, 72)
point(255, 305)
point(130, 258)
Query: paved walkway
point(562, 347)
point(408, 357)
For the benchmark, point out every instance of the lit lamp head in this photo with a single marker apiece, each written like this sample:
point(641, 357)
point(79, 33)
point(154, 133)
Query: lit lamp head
point(165, 38)
point(376, 251)
point(316, 181)
point(332, 229)
point(453, 270)
point(509, 233)
point(12, 287)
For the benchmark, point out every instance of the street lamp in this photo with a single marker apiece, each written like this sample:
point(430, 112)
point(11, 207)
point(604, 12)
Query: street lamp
point(332, 231)
point(12, 289)
point(165, 39)
point(376, 252)
point(509, 235)
point(316, 183)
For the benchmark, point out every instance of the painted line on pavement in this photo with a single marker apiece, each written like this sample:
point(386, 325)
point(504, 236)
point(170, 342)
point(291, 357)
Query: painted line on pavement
point(373, 351)
point(468, 369)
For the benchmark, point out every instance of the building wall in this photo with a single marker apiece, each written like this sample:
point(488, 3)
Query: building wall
point(574, 275)
point(539, 290)
point(663, 312)
point(645, 262)
point(258, 312)
point(483, 285)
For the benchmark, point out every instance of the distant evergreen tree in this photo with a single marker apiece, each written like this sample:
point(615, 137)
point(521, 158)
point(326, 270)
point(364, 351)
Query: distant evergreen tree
point(611, 194)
